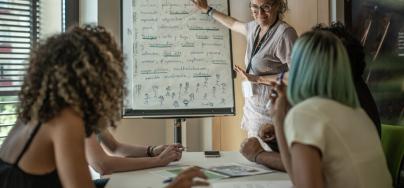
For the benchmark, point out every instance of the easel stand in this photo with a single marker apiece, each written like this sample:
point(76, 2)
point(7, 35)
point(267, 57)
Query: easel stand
point(177, 130)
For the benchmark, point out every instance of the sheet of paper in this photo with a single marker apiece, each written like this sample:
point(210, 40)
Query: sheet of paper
point(237, 170)
point(252, 184)
point(173, 172)
point(247, 89)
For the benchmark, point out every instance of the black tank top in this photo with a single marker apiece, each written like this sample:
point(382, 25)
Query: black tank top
point(12, 176)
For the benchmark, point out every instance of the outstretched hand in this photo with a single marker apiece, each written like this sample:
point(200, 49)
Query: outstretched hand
point(169, 154)
point(188, 178)
point(245, 75)
point(178, 147)
point(201, 5)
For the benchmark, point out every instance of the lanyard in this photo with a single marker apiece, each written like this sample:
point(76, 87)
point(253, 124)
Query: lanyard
point(258, 46)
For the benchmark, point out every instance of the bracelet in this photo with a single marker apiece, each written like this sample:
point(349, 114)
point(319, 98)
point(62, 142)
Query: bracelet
point(152, 151)
point(256, 156)
point(210, 11)
point(149, 151)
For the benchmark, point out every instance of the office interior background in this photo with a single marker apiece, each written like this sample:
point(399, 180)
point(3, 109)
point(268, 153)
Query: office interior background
point(384, 40)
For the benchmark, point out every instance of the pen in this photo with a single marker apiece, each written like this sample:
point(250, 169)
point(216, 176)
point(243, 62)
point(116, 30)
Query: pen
point(280, 78)
point(168, 180)
point(278, 82)
point(181, 148)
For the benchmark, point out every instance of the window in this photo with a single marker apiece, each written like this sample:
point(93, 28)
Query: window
point(19, 31)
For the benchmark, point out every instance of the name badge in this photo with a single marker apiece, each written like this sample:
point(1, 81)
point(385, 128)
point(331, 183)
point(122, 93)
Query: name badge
point(247, 88)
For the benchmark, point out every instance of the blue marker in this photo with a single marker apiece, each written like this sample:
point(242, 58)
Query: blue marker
point(278, 82)
point(280, 78)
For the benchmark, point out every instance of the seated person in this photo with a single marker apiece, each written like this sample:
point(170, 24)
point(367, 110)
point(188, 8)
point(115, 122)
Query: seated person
point(325, 139)
point(251, 148)
point(253, 151)
point(126, 157)
point(72, 89)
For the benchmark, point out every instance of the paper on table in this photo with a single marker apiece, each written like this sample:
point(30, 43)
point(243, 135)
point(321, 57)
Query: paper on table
point(253, 184)
point(173, 172)
point(238, 170)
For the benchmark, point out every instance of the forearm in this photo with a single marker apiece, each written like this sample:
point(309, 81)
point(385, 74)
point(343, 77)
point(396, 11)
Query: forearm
point(266, 80)
point(223, 19)
point(229, 22)
point(125, 150)
point(271, 160)
point(112, 164)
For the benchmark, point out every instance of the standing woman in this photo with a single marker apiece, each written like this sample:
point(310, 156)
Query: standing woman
point(269, 45)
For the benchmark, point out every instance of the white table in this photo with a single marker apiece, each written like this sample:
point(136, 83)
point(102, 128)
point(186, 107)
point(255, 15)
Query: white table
point(146, 179)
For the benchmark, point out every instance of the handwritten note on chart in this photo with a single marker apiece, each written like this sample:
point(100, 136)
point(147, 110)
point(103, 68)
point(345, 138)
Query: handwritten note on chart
point(178, 58)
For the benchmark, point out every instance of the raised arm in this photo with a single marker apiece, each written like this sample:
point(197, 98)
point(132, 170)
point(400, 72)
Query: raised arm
point(278, 112)
point(222, 18)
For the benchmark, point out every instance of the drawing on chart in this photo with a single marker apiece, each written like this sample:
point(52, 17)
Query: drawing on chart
point(168, 89)
point(205, 83)
point(155, 90)
point(180, 59)
point(138, 89)
point(205, 96)
point(146, 98)
point(186, 102)
point(176, 104)
point(223, 88)
point(191, 97)
point(161, 99)
point(186, 87)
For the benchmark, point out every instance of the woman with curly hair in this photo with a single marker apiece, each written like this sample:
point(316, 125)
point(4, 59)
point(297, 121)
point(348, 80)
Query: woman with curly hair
point(74, 87)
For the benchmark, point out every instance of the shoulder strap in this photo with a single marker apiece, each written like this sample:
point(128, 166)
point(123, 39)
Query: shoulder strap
point(28, 143)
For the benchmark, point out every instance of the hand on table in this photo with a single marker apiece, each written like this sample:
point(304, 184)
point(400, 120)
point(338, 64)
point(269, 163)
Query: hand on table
point(169, 154)
point(186, 179)
point(250, 148)
point(159, 149)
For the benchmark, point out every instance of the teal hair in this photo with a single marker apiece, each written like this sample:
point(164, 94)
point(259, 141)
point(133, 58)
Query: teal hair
point(320, 67)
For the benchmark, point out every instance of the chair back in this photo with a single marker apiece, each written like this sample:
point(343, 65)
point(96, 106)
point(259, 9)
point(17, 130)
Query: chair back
point(393, 146)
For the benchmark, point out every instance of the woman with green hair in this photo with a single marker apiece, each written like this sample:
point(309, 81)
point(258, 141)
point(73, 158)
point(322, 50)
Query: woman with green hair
point(325, 139)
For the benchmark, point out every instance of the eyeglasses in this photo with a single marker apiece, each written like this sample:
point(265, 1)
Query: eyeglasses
point(265, 7)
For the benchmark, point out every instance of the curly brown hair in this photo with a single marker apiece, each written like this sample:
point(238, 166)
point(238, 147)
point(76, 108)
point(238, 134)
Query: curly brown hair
point(81, 69)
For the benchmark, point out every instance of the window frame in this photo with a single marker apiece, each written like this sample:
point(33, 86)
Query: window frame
point(19, 32)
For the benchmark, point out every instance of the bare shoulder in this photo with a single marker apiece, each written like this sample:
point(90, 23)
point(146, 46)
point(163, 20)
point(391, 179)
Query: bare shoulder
point(68, 122)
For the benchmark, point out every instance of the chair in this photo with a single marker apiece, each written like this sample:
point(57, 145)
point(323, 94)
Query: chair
point(393, 146)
